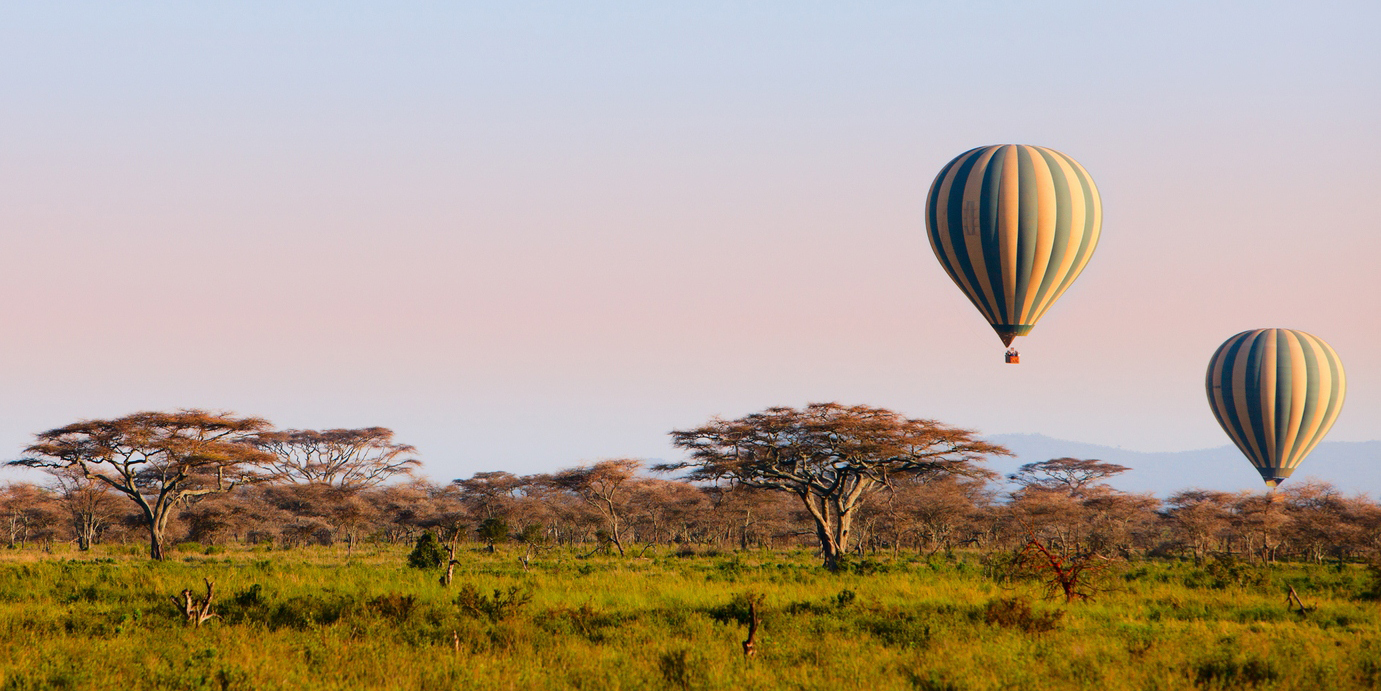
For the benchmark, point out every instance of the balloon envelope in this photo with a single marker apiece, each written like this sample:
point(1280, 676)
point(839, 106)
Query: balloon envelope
point(1013, 226)
point(1276, 392)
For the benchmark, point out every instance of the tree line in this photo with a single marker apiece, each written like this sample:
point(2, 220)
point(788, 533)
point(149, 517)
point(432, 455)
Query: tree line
point(846, 481)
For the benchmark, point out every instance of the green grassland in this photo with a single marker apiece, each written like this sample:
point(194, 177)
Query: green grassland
point(315, 619)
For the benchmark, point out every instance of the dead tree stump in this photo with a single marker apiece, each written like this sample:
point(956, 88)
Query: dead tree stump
point(750, 646)
point(196, 610)
point(1292, 598)
point(451, 561)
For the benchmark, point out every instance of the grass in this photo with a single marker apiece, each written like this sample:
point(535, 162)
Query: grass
point(312, 619)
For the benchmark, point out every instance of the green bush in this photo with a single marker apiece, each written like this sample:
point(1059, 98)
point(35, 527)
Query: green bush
point(585, 621)
point(739, 610)
point(532, 534)
point(900, 629)
point(395, 606)
point(1372, 590)
point(500, 606)
point(679, 668)
point(426, 553)
point(1016, 613)
point(1225, 670)
point(493, 530)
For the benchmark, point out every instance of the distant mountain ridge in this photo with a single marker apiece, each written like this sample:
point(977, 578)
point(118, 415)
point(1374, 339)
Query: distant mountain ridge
point(1351, 466)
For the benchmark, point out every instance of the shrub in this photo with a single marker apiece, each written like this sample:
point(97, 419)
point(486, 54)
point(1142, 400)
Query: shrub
point(1016, 613)
point(932, 681)
point(501, 605)
point(1227, 570)
point(426, 554)
point(1373, 588)
point(395, 606)
point(1227, 671)
point(738, 610)
point(585, 621)
point(868, 567)
point(730, 569)
point(493, 530)
point(252, 597)
point(900, 629)
point(677, 668)
point(300, 612)
point(532, 534)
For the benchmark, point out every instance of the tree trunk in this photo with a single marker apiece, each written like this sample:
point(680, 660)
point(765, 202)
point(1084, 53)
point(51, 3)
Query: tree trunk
point(833, 545)
point(832, 522)
point(829, 549)
point(155, 542)
point(157, 515)
point(86, 532)
point(614, 535)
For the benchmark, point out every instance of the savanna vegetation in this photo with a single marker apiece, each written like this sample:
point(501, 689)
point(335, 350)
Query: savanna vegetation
point(675, 618)
point(823, 547)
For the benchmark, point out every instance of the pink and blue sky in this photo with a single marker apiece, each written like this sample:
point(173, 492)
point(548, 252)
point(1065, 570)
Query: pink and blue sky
point(526, 235)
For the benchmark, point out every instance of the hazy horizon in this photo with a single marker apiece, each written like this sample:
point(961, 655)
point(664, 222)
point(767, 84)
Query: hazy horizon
point(527, 235)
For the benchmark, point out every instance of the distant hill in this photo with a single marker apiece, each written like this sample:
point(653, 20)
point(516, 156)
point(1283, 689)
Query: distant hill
point(1351, 466)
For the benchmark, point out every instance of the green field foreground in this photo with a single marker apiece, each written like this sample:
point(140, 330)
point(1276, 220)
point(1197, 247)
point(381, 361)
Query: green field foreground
point(315, 619)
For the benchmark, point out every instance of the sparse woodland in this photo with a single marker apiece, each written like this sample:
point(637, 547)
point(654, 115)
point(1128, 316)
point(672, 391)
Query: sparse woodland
point(824, 547)
point(282, 490)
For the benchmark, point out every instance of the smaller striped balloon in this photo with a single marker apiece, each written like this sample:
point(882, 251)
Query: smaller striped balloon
point(1276, 392)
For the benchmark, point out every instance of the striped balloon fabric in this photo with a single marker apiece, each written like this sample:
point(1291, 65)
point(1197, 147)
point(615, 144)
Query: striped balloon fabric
point(1013, 226)
point(1276, 392)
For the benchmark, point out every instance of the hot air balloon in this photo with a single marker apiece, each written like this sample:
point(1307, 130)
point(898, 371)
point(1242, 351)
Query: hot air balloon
point(1276, 392)
point(1013, 226)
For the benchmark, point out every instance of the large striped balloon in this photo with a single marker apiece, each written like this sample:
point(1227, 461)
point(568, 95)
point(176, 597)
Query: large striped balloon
point(1276, 392)
point(1013, 226)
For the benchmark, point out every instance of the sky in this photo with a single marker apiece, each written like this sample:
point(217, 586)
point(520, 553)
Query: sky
point(531, 235)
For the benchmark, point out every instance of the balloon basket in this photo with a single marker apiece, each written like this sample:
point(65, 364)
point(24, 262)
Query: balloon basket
point(1013, 359)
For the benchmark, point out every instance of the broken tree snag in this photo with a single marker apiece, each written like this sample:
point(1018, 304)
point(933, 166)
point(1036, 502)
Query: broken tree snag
point(1292, 598)
point(750, 647)
point(450, 572)
point(451, 560)
point(196, 610)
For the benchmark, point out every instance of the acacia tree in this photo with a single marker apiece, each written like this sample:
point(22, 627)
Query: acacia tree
point(337, 465)
point(657, 507)
point(1073, 476)
point(88, 502)
point(1320, 521)
point(26, 511)
point(935, 508)
point(606, 487)
point(830, 456)
point(157, 459)
point(490, 494)
point(1198, 518)
point(350, 459)
point(1260, 520)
